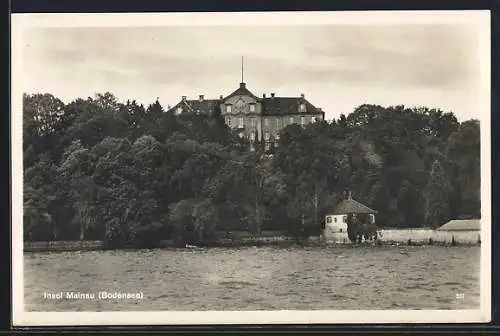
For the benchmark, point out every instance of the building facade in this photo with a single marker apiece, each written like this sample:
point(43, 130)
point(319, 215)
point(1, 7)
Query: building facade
point(336, 222)
point(255, 118)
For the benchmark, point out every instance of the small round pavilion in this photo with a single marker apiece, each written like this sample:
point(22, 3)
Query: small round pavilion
point(336, 220)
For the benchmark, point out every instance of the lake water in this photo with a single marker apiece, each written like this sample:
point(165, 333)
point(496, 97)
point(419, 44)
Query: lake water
point(264, 278)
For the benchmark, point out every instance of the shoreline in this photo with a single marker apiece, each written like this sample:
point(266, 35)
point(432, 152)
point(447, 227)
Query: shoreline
point(68, 246)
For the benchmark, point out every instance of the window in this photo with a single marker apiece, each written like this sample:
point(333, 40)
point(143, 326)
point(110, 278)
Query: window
point(302, 120)
point(290, 120)
point(252, 107)
point(240, 122)
point(254, 122)
point(335, 219)
point(228, 108)
point(198, 111)
point(268, 146)
point(266, 136)
point(340, 230)
point(252, 136)
point(328, 219)
point(278, 123)
point(302, 107)
point(179, 110)
point(276, 144)
point(252, 148)
point(344, 219)
point(228, 121)
point(277, 136)
point(266, 122)
point(241, 134)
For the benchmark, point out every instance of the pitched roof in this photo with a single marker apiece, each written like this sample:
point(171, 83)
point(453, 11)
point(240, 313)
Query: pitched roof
point(461, 225)
point(270, 106)
point(350, 206)
point(193, 105)
point(286, 105)
point(242, 91)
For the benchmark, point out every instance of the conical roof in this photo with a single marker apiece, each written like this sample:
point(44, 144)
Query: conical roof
point(351, 206)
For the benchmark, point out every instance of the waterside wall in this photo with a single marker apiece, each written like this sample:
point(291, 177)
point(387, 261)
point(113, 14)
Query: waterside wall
point(386, 236)
point(79, 245)
point(418, 236)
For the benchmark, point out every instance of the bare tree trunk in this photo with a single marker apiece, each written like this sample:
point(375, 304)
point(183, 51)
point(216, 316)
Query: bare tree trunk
point(54, 230)
point(82, 224)
point(257, 216)
point(316, 201)
point(82, 230)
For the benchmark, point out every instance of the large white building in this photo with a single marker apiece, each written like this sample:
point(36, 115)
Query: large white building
point(256, 118)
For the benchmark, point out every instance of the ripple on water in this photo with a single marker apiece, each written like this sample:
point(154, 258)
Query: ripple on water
point(259, 278)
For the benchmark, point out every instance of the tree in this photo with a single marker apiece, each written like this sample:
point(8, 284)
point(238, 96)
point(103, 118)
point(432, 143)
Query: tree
point(76, 171)
point(437, 206)
point(39, 199)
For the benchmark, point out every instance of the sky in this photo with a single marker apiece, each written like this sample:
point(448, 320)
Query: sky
point(336, 67)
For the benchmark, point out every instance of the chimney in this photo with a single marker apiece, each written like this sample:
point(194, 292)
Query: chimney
point(264, 95)
point(272, 95)
point(221, 97)
point(184, 98)
point(302, 96)
point(201, 97)
point(242, 85)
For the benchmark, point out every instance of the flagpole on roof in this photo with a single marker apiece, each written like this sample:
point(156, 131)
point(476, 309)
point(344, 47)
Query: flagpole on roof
point(242, 69)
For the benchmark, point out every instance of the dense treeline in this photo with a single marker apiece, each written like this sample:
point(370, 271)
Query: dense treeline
point(135, 175)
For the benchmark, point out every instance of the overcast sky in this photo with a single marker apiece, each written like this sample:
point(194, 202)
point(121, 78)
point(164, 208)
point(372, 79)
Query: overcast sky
point(337, 67)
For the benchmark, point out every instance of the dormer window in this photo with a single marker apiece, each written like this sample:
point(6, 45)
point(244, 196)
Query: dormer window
point(252, 107)
point(228, 108)
point(302, 107)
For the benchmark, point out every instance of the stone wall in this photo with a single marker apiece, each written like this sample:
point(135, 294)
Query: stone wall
point(423, 235)
point(415, 235)
point(63, 246)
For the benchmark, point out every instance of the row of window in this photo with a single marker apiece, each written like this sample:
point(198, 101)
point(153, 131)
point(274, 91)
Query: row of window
point(267, 136)
point(329, 219)
point(302, 108)
point(279, 122)
point(229, 108)
point(344, 219)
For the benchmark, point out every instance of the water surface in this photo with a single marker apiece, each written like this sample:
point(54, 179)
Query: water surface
point(264, 278)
